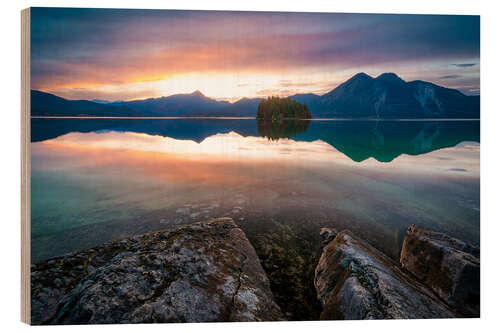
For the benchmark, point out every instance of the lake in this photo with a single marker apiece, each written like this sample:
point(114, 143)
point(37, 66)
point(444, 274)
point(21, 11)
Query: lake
point(99, 179)
point(95, 180)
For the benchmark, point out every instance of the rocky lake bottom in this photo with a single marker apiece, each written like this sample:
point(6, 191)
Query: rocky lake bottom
point(209, 271)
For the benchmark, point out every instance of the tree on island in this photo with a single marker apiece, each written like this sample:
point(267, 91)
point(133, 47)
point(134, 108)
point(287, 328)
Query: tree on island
point(276, 109)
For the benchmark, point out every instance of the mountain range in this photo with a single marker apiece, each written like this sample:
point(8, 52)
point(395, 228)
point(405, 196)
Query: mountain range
point(362, 96)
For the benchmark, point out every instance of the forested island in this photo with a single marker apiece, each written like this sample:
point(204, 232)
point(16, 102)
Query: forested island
point(276, 108)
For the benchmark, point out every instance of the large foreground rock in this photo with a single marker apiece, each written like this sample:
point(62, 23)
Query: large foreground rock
point(355, 281)
point(450, 267)
point(203, 272)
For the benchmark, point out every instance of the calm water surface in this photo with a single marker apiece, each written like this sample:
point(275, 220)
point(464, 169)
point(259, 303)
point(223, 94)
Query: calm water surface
point(94, 180)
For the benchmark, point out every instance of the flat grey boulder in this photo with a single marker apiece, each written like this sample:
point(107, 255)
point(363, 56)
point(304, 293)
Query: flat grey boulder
point(450, 267)
point(354, 281)
point(203, 272)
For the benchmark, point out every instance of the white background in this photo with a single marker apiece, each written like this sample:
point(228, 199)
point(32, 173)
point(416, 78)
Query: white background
point(490, 127)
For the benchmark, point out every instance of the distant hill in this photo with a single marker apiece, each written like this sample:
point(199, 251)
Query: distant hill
point(45, 104)
point(362, 96)
point(180, 105)
point(194, 104)
point(102, 101)
point(389, 96)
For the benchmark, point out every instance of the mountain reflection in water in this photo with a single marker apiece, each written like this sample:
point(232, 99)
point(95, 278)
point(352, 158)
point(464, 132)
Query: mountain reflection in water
point(359, 140)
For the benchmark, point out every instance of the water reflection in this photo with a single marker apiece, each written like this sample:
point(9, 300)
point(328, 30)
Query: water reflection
point(88, 188)
point(386, 140)
point(275, 130)
point(359, 140)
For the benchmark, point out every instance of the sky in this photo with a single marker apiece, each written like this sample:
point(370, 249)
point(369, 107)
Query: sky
point(113, 54)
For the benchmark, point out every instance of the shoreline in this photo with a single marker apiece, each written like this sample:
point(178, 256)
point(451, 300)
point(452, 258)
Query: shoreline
point(249, 118)
point(326, 267)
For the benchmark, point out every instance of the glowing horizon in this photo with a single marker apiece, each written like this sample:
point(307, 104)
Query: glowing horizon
point(115, 54)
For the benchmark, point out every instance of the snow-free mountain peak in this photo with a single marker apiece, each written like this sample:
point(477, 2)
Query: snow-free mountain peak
point(197, 93)
point(360, 76)
point(389, 77)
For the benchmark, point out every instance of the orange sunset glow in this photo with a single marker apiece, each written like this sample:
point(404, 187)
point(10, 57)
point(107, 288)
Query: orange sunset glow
point(230, 55)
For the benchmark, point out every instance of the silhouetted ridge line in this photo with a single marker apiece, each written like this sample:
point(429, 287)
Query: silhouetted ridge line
point(385, 97)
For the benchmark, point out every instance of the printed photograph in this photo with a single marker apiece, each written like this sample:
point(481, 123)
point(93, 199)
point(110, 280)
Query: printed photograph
point(215, 166)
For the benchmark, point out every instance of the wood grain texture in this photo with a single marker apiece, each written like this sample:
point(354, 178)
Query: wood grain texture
point(25, 167)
